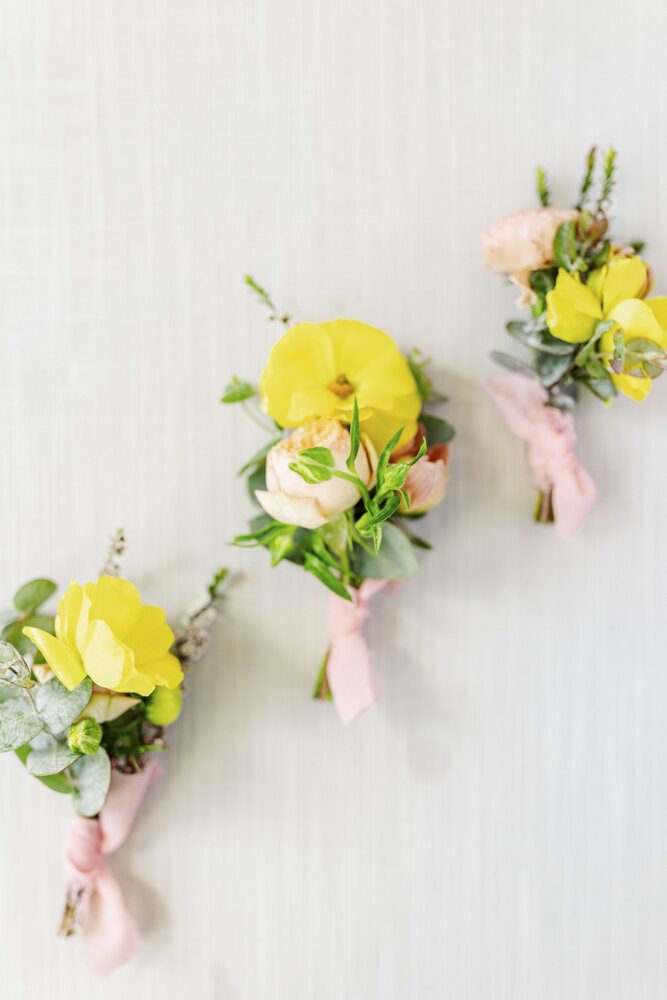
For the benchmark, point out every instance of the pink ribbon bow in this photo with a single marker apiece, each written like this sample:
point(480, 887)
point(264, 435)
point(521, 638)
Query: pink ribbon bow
point(353, 685)
point(549, 433)
point(109, 933)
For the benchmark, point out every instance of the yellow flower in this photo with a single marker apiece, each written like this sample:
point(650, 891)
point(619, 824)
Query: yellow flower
point(104, 632)
point(613, 292)
point(316, 370)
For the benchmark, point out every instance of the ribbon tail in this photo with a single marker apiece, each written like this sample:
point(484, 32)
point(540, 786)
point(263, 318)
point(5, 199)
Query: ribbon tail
point(574, 494)
point(353, 685)
point(109, 934)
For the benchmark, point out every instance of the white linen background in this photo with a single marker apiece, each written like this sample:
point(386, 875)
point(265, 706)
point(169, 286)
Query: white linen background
point(495, 826)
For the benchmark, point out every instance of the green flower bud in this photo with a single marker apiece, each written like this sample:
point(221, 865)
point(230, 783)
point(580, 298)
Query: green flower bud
point(85, 736)
point(164, 706)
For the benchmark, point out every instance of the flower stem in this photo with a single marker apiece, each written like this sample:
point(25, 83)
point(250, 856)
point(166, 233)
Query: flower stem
point(544, 513)
point(322, 691)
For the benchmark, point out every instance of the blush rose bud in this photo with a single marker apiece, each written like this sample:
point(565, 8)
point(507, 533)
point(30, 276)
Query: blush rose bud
point(85, 736)
point(426, 481)
point(290, 499)
point(522, 243)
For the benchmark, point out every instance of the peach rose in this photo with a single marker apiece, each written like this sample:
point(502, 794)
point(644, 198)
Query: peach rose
point(524, 242)
point(290, 499)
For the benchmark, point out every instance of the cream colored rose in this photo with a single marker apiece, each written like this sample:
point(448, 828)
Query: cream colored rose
point(291, 500)
point(524, 242)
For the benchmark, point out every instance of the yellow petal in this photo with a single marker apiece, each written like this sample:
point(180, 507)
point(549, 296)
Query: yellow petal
point(69, 610)
point(151, 637)
point(658, 306)
point(637, 319)
point(105, 657)
point(572, 310)
point(165, 672)
point(115, 602)
point(624, 279)
point(64, 661)
point(633, 386)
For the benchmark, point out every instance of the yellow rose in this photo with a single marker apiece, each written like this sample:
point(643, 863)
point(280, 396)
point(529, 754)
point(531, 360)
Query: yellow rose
point(104, 632)
point(290, 499)
point(611, 293)
point(316, 370)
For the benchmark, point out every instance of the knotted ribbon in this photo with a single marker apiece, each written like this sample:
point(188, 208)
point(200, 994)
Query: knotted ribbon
point(549, 433)
point(353, 685)
point(108, 931)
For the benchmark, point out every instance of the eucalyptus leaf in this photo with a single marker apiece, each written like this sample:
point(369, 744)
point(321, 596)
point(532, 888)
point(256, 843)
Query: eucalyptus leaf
point(438, 431)
point(55, 782)
point(394, 561)
point(256, 481)
point(14, 633)
point(13, 668)
point(58, 707)
point(512, 364)
point(603, 388)
point(18, 723)
point(90, 776)
point(32, 595)
point(52, 760)
point(552, 367)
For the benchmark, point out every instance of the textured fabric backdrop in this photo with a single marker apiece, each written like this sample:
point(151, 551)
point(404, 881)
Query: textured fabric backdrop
point(496, 826)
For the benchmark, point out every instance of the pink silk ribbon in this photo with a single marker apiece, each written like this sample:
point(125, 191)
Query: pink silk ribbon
point(353, 685)
point(549, 433)
point(108, 931)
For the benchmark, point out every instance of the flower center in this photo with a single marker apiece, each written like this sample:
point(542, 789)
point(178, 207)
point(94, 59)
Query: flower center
point(342, 386)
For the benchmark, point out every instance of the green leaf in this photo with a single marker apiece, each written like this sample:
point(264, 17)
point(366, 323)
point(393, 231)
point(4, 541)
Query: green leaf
point(565, 246)
point(18, 723)
point(311, 473)
point(320, 570)
point(543, 281)
point(335, 534)
point(368, 521)
point(90, 777)
point(438, 431)
point(394, 561)
point(33, 594)
point(58, 707)
point(385, 455)
point(237, 392)
point(51, 760)
point(55, 782)
point(319, 455)
point(355, 439)
point(259, 457)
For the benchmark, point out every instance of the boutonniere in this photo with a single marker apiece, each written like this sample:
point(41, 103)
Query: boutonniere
point(355, 456)
point(592, 325)
point(86, 698)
